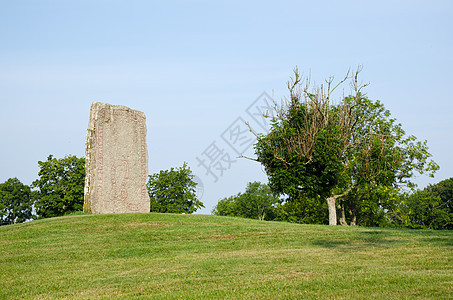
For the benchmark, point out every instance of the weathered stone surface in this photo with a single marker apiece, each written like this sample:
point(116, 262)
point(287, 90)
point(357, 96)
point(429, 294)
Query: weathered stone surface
point(116, 160)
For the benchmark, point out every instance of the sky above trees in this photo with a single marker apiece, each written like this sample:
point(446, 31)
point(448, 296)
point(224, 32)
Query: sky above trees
point(199, 69)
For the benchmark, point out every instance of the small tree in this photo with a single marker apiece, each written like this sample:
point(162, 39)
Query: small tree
point(226, 207)
point(173, 191)
point(60, 186)
point(256, 203)
point(430, 208)
point(15, 202)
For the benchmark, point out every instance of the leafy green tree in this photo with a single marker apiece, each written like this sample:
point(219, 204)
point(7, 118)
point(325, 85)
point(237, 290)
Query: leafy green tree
point(338, 152)
point(369, 205)
point(256, 203)
point(430, 208)
point(60, 186)
point(226, 207)
point(173, 191)
point(305, 210)
point(15, 202)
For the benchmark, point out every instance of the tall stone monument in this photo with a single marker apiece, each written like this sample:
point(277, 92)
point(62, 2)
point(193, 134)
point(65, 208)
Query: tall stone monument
point(116, 160)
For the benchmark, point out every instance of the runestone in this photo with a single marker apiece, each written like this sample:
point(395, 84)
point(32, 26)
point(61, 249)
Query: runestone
point(116, 161)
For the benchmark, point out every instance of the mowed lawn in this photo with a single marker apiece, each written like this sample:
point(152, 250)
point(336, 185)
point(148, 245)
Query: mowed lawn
point(165, 256)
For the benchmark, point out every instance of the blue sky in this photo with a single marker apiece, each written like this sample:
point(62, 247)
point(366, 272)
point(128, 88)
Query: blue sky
point(195, 67)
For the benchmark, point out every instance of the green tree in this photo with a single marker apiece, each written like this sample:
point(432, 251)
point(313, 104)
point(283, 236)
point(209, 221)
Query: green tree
point(60, 186)
point(338, 152)
point(257, 202)
point(369, 205)
point(430, 208)
point(226, 207)
point(304, 209)
point(15, 202)
point(173, 191)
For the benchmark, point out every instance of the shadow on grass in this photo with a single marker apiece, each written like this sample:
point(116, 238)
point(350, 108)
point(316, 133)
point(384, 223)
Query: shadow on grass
point(331, 244)
point(385, 238)
point(442, 238)
point(360, 240)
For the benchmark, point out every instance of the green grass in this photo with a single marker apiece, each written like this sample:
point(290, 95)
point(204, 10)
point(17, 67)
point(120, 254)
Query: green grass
point(167, 256)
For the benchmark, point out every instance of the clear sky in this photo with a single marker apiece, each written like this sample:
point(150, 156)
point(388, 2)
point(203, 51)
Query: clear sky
point(199, 68)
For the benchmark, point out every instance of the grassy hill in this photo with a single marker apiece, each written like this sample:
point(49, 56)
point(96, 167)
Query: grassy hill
point(193, 256)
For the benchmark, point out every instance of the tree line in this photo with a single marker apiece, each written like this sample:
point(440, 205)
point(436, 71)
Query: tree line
point(59, 191)
point(429, 208)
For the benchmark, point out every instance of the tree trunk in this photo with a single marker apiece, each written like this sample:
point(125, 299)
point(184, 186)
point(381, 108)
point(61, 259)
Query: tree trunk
point(343, 216)
point(353, 218)
point(332, 210)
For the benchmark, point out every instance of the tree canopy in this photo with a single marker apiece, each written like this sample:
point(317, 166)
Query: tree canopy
point(60, 186)
point(15, 202)
point(339, 153)
point(430, 208)
point(257, 202)
point(173, 191)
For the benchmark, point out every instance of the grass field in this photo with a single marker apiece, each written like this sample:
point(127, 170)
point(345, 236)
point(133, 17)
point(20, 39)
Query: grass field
point(167, 256)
